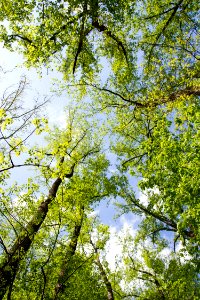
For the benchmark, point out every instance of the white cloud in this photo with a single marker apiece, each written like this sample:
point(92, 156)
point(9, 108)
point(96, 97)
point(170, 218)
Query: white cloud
point(114, 247)
point(180, 249)
point(166, 253)
point(94, 213)
point(143, 198)
point(56, 116)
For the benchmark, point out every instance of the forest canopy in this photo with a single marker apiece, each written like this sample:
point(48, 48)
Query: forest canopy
point(131, 138)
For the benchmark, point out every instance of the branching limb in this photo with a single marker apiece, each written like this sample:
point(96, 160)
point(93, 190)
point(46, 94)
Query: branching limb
point(152, 213)
point(83, 34)
point(110, 294)
point(49, 257)
point(175, 8)
point(139, 156)
point(151, 275)
point(3, 246)
point(103, 28)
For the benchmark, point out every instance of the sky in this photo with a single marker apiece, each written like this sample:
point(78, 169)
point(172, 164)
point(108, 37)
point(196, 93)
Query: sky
point(39, 89)
point(12, 63)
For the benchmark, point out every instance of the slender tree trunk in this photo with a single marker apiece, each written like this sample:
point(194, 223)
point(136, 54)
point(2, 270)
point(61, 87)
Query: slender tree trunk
point(9, 266)
point(110, 295)
point(71, 249)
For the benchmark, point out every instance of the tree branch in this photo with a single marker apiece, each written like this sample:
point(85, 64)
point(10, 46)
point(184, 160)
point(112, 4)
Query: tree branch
point(153, 213)
point(176, 7)
point(8, 268)
point(110, 294)
point(103, 28)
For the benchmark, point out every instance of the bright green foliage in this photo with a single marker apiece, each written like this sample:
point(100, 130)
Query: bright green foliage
point(161, 278)
point(77, 33)
point(45, 30)
point(30, 215)
point(149, 272)
point(165, 154)
point(145, 111)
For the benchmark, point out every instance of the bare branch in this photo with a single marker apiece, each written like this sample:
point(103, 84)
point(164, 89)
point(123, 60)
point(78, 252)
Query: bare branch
point(83, 34)
point(140, 156)
point(152, 213)
point(23, 165)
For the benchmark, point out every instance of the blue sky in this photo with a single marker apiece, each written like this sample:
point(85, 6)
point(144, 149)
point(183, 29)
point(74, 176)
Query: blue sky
point(12, 64)
point(39, 88)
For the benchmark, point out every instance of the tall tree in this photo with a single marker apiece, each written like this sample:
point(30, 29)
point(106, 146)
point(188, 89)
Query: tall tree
point(150, 105)
point(60, 159)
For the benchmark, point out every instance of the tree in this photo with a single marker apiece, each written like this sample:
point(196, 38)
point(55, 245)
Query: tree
point(57, 26)
point(159, 277)
point(149, 104)
point(167, 160)
point(16, 125)
point(162, 30)
point(57, 161)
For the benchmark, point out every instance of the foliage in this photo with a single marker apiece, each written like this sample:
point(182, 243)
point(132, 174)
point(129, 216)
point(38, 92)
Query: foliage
point(145, 111)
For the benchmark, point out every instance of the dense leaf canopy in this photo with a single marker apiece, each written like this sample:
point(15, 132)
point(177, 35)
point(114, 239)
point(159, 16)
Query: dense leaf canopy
point(132, 71)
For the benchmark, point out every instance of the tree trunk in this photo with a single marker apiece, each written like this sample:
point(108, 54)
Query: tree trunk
point(107, 283)
point(64, 273)
point(110, 295)
point(11, 262)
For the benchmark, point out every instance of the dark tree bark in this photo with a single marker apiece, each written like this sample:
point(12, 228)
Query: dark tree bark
point(71, 249)
point(11, 262)
point(162, 218)
point(110, 295)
